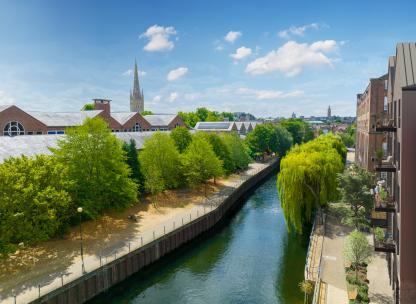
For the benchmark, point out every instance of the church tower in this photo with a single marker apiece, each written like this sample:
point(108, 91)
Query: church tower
point(329, 112)
point(136, 96)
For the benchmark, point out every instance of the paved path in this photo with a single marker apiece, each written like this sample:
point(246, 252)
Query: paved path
point(29, 290)
point(333, 273)
point(380, 291)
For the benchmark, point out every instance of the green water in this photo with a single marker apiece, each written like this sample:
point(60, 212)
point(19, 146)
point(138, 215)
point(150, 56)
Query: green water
point(251, 260)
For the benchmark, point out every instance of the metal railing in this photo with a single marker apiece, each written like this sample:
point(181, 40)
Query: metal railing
point(107, 255)
point(318, 282)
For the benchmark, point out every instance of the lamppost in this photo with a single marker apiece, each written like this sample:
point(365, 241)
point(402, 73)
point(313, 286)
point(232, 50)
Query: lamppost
point(79, 209)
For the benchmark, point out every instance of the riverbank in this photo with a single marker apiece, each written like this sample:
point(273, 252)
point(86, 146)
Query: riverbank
point(66, 261)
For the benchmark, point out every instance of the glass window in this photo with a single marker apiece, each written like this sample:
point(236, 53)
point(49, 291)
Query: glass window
point(137, 127)
point(13, 128)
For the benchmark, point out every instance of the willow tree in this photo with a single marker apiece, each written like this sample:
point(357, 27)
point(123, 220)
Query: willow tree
point(308, 180)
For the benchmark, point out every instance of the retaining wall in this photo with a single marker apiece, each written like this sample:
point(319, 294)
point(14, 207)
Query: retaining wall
point(98, 281)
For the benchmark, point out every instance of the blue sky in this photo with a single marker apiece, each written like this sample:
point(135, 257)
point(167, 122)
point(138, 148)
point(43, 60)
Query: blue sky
point(270, 58)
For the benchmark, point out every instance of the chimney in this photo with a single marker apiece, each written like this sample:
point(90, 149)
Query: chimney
point(102, 104)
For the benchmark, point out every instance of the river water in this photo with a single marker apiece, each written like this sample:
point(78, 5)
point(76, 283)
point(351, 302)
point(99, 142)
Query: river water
point(251, 260)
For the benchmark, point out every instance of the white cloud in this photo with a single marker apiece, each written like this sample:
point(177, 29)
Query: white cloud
point(5, 99)
point(173, 96)
point(159, 38)
point(293, 57)
point(219, 48)
point(297, 30)
point(156, 99)
point(268, 94)
point(177, 73)
point(130, 72)
point(241, 52)
point(232, 36)
point(192, 96)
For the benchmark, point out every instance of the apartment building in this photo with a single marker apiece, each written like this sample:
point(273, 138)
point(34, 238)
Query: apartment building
point(371, 106)
point(399, 169)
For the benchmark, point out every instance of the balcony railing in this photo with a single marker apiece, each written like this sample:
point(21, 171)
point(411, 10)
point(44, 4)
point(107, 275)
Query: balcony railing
point(384, 123)
point(386, 165)
point(379, 219)
point(384, 243)
point(388, 205)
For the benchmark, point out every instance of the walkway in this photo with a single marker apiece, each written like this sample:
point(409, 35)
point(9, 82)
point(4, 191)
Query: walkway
point(63, 265)
point(380, 291)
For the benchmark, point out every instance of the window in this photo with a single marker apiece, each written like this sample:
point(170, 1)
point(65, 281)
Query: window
point(137, 127)
point(30, 133)
point(13, 128)
point(39, 133)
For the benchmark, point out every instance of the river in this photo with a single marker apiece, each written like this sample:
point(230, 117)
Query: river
point(251, 260)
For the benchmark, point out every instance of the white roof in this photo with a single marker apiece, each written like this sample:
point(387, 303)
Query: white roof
point(160, 120)
point(247, 124)
point(240, 125)
point(214, 125)
point(31, 145)
point(122, 117)
point(63, 119)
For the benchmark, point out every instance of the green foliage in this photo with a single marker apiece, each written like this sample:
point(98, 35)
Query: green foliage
point(238, 151)
point(379, 234)
point(96, 164)
point(200, 162)
point(203, 114)
point(160, 163)
point(34, 201)
point(144, 113)
point(357, 249)
point(307, 179)
point(133, 162)
point(88, 107)
point(354, 187)
point(182, 138)
point(301, 131)
point(220, 149)
point(347, 139)
point(267, 138)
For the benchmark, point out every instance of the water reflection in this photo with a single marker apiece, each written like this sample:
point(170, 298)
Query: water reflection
point(252, 260)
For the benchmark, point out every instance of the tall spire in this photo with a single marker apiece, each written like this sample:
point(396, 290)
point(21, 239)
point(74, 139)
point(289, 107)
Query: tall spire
point(136, 96)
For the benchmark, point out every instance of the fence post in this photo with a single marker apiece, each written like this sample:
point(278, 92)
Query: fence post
point(115, 255)
point(141, 240)
point(39, 289)
point(182, 221)
point(100, 260)
point(154, 235)
point(129, 246)
point(62, 279)
point(14, 296)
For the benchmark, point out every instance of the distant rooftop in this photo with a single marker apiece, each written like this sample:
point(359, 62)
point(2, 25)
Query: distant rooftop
point(63, 119)
point(160, 120)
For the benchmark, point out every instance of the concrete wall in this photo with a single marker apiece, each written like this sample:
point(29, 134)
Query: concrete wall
point(98, 281)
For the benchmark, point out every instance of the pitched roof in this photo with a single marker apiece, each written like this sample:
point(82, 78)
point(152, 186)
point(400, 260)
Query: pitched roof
point(63, 119)
point(4, 107)
point(160, 120)
point(239, 125)
point(31, 145)
point(122, 117)
point(215, 125)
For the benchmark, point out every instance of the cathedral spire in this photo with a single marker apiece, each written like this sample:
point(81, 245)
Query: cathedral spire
point(136, 96)
point(136, 84)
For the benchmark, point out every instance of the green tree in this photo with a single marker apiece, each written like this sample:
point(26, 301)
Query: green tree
point(354, 187)
point(88, 107)
point(238, 151)
point(220, 149)
point(357, 250)
point(190, 119)
point(182, 138)
point(96, 163)
point(144, 113)
point(307, 180)
point(202, 113)
point(34, 201)
point(160, 163)
point(301, 131)
point(200, 162)
point(133, 162)
point(228, 116)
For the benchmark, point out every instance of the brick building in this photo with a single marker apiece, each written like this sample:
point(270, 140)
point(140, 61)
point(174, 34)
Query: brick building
point(371, 106)
point(15, 121)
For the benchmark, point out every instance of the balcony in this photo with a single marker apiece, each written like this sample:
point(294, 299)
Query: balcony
point(385, 124)
point(386, 165)
point(388, 205)
point(383, 241)
point(379, 219)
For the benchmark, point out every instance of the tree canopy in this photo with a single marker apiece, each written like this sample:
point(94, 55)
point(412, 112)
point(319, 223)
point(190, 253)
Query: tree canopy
point(133, 162)
point(88, 107)
point(238, 151)
point(96, 163)
point(204, 114)
point(160, 163)
point(147, 112)
point(182, 138)
point(301, 131)
point(357, 249)
point(307, 179)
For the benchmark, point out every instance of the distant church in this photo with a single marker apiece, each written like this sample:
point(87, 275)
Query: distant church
point(136, 96)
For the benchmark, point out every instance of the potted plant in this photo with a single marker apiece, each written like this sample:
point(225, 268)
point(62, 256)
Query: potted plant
point(379, 234)
point(382, 194)
point(379, 155)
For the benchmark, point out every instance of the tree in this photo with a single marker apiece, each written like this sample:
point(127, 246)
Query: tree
point(144, 113)
point(34, 201)
point(200, 162)
point(133, 162)
point(202, 113)
point(88, 107)
point(357, 250)
point(307, 180)
point(182, 138)
point(238, 151)
point(301, 131)
point(190, 119)
point(354, 187)
point(96, 164)
point(160, 163)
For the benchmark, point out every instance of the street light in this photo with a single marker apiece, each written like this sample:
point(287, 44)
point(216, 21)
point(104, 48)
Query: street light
point(79, 209)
